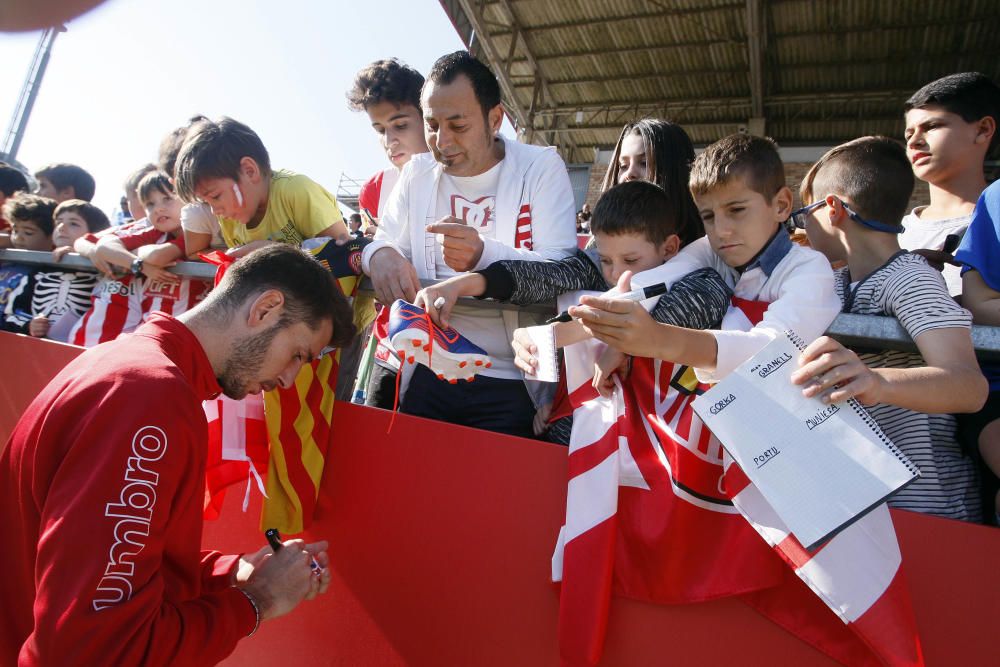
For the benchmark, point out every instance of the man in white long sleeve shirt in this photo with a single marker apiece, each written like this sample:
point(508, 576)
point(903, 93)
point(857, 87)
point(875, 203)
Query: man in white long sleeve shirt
point(474, 199)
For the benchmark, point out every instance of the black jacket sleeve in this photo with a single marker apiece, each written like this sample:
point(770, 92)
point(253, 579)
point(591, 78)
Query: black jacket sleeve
point(699, 300)
point(523, 282)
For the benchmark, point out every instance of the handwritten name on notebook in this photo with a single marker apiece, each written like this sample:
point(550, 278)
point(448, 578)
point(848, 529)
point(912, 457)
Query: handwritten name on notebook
point(763, 370)
point(819, 466)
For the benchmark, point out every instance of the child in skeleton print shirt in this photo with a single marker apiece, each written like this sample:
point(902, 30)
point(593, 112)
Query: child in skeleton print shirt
point(61, 296)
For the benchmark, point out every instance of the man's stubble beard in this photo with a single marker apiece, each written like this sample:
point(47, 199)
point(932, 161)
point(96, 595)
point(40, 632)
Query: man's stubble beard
point(244, 362)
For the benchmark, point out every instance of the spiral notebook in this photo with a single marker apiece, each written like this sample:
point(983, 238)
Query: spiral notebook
point(821, 467)
point(548, 359)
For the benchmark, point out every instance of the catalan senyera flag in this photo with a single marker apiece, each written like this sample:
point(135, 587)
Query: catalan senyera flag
point(299, 421)
point(656, 511)
point(300, 418)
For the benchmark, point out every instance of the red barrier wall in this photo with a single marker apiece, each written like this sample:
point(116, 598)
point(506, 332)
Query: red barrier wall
point(26, 365)
point(441, 537)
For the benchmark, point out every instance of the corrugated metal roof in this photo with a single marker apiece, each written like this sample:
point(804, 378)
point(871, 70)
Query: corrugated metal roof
point(830, 71)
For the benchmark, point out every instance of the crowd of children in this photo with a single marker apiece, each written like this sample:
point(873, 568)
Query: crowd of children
point(713, 228)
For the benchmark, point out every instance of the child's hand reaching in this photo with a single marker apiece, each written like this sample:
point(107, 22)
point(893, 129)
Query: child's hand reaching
point(611, 361)
point(834, 373)
point(524, 351)
point(430, 299)
point(620, 323)
point(60, 252)
point(160, 274)
point(99, 259)
point(540, 424)
point(467, 284)
point(39, 326)
point(242, 250)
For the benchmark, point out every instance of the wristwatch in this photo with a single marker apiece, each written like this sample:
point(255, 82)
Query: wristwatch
point(136, 268)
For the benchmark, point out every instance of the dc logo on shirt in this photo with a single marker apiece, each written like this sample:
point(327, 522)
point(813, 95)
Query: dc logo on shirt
point(478, 213)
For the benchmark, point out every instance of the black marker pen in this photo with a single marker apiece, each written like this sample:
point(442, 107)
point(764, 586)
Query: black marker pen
point(274, 539)
point(640, 294)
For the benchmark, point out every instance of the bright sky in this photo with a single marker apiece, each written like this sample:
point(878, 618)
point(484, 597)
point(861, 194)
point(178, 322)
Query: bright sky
point(129, 71)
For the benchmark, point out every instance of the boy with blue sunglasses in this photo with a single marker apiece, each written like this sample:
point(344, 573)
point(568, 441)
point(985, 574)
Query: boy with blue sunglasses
point(860, 191)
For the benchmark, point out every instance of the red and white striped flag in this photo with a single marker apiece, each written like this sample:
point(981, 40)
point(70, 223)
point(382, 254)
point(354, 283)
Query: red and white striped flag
point(237, 448)
point(857, 575)
point(653, 514)
point(237, 431)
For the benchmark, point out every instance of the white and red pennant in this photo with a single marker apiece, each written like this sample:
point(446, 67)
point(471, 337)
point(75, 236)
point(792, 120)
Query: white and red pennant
point(656, 511)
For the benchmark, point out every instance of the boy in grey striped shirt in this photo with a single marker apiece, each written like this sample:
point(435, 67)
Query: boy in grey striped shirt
point(859, 193)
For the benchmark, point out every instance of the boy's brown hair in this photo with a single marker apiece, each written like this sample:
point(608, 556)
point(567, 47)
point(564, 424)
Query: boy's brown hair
point(93, 216)
point(214, 150)
point(65, 175)
point(31, 208)
point(754, 159)
point(385, 81)
point(635, 207)
point(154, 181)
point(132, 182)
point(872, 172)
point(171, 144)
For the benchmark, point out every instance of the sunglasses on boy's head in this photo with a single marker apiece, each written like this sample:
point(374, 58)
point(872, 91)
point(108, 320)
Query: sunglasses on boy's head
point(798, 218)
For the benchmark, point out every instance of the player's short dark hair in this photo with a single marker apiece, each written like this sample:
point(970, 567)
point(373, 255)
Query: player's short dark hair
point(872, 172)
point(154, 181)
point(93, 216)
point(213, 149)
point(971, 95)
point(385, 81)
point(12, 180)
point(754, 159)
point(635, 207)
point(65, 175)
point(311, 292)
point(449, 67)
point(31, 208)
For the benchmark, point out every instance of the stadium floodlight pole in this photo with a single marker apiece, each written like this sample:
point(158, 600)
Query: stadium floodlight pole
point(29, 92)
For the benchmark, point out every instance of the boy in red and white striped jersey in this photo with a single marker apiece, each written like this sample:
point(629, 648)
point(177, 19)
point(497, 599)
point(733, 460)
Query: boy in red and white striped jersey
point(144, 249)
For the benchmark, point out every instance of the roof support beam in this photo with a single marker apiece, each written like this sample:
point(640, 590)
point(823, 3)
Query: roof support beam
point(689, 127)
point(708, 126)
point(530, 136)
point(541, 85)
point(510, 52)
point(705, 43)
point(716, 102)
point(947, 60)
point(755, 56)
point(632, 18)
point(475, 17)
point(628, 77)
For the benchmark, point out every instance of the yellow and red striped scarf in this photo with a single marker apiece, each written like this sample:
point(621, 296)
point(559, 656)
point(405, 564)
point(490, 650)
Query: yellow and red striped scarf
point(299, 424)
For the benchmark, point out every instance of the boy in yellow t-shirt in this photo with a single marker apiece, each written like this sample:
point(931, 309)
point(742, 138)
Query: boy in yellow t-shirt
point(225, 165)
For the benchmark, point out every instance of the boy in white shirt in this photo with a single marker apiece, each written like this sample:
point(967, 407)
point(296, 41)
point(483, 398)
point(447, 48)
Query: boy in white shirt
point(388, 91)
point(738, 184)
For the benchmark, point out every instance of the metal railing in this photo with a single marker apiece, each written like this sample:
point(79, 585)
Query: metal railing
point(857, 331)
